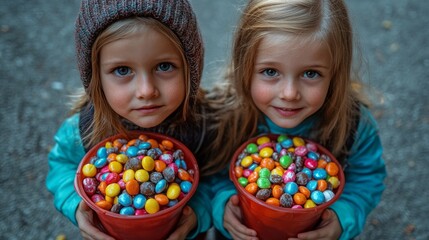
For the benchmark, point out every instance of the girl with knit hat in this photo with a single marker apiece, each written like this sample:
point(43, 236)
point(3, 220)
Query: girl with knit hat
point(292, 74)
point(140, 63)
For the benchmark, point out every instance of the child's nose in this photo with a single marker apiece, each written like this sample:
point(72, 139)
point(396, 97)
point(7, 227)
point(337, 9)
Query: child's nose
point(290, 90)
point(145, 87)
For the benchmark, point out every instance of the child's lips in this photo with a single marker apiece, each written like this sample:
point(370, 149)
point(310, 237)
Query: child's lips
point(288, 112)
point(148, 109)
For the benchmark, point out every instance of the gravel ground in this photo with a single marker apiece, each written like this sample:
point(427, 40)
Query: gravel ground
point(38, 71)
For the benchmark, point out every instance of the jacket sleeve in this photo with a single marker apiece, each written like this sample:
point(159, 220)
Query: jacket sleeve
point(364, 175)
point(63, 160)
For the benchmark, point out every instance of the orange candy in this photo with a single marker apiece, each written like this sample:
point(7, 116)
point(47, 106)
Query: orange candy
point(252, 188)
point(273, 201)
point(238, 171)
point(153, 143)
point(167, 144)
point(299, 198)
point(305, 191)
point(253, 177)
point(104, 205)
point(160, 165)
point(267, 163)
point(332, 169)
point(132, 187)
point(277, 191)
point(322, 185)
point(162, 199)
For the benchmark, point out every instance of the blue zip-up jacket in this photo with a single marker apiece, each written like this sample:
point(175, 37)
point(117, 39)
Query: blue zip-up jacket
point(63, 161)
point(365, 173)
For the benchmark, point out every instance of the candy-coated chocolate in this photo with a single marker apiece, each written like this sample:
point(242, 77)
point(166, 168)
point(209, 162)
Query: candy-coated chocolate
point(317, 197)
point(291, 188)
point(139, 201)
point(89, 170)
point(185, 186)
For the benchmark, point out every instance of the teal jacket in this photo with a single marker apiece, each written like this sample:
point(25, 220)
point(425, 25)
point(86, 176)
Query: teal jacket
point(63, 161)
point(364, 173)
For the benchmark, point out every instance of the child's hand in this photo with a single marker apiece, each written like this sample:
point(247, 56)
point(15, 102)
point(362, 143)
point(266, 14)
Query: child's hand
point(85, 221)
point(187, 222)
point(329, 228)
point(232, 221)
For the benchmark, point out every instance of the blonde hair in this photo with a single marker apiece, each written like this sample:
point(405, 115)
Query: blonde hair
point(106, 122)
point(319, 20)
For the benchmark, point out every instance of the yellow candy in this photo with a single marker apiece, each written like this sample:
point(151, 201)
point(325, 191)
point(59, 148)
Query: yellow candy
point(263, 140)
point(266, 152)
point(334, 181)
point(108, 145)
point(141, 175)
point(151, 206)
point(309, 204)
point(173, 191)
point(297, 141)
point(122, 158)
point(89, 170)
point(115, 167)
point(277, 171)
point(128, 175)
point(148, 163)
point(246, 161)
point(112, 190)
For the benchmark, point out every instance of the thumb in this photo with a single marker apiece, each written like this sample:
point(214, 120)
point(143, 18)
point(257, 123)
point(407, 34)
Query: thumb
point(84, 206)
point(186, 211)
point(234, 200)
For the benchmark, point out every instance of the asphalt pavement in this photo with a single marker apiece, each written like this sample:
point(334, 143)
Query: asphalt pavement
point(38, 73)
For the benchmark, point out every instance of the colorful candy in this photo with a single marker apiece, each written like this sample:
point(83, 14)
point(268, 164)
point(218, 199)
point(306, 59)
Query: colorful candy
point(136, 177)
point(289, 172)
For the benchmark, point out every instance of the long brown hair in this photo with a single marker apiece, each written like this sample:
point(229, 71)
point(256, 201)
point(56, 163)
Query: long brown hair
point(319, 20)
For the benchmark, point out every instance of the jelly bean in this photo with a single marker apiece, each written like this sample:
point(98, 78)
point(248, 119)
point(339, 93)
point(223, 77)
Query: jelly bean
point(263, 182)
point(127, 211)
point(264, 172)
point(273, 201)
point(289, 176)
point(115, 166)
point(287, 143)
point(246, 162)
point(309, 204)
point(297, 141)
point(263, 194)
point(252, 148)
point(310, 163)
point(285, 161)
point(266, 152)
point(102, 152)
point(301, 151)
point(125, 199)
point(291, 188)
point(286, 200)
point(322, 185)
point(329, 195)
point(151, 206)
point(128, 175)
point(305, 191)
point(262, 140)
point(139, 201)
point(113, 189)
point(132, 187)
point(162, 199)
point(141, 175)
point(89, 185)
point(256, 158)
point(319, 173)
point(104, 204)
point(334, 181)
point(251, 188)
point(299, 198)
point(267, 163)
point(312, 185)
point(160, 186)
point(277, 191)
point(89, 170)
point(332, 169)
point(173, 191)
point(317, 197)
point(186, 186)
point(148, 163)
point(101, 162)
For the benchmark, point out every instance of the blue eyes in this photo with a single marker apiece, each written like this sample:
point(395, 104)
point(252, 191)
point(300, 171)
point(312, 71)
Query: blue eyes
point(125, 71)
point(164, 67)
point(270, 72)
point(311, 74)
point(122, 71)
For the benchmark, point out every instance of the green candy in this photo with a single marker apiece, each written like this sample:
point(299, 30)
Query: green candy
point(252, 148)
point(285, 161)
point(263, 182)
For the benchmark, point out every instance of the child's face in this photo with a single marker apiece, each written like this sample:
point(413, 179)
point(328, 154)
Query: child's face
point(290, 78)
point(142, 77)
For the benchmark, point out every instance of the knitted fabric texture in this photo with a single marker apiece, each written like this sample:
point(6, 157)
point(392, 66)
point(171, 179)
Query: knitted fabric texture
point(96, 15)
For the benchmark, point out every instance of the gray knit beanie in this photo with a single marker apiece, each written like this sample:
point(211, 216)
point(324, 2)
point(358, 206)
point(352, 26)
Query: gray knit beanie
point(96, 15)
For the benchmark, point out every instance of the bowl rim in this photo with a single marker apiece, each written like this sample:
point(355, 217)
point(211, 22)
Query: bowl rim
point(189, 157)
point(251, 197)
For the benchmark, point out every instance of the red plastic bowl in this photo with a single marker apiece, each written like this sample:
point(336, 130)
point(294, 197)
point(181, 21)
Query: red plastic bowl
point(151, 226)
point(271, 222)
